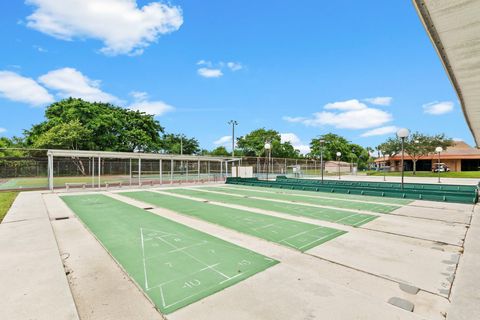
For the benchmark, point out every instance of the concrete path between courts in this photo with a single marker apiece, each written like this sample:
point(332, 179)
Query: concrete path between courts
point(33, 284)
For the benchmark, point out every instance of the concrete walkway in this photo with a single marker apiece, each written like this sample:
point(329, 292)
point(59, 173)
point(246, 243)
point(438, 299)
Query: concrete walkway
point(52, 267)
point(465, 294)
point(33, 284)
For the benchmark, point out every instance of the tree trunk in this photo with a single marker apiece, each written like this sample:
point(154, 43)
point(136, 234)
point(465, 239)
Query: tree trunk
point(79, 164)
point(414, 166)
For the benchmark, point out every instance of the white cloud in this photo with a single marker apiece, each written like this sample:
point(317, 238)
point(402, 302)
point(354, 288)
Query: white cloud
point(225, 141)
point(380, 131)
point(3, 130)
point(40, 49)
point(353, 115)
point(294, 119)
point(22, 89)
point(142, 104)
point(234, 66)
point(69, 82)
point(215, 70)
point(357, 119)
point(289, 137)
point(380, 101)
point(204, 63)
point(210, 73)
point(295, 142)
point(122, 26)
point(437, 108)
point(353, 104)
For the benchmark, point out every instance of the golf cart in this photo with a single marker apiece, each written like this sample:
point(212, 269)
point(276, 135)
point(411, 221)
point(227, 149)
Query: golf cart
point(440, 167)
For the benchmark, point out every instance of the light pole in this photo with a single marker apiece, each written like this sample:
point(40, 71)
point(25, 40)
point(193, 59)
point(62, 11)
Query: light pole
point(380, 153)
point(339, 154)
point(268, 147)
point(322, 143)
point(233, 123)
point(438, 150)
point(402, 134)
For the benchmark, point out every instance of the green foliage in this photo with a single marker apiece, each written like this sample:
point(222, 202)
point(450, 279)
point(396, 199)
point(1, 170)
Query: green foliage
point(6, 200)
point(416, 145)
point(220, 151)
point(102, 127)
point(63, 136)
point(334, 143)
point(14, 142)
point(253, 144)
point(174, 143)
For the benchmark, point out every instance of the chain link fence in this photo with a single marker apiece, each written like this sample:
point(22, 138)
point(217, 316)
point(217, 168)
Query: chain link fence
point(26, 169)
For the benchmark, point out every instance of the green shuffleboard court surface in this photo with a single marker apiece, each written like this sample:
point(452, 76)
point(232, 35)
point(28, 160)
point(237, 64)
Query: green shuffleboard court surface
point(175, 265)
point(325, 214)
point(318, 200)
point(298, 235)
point(340, 196)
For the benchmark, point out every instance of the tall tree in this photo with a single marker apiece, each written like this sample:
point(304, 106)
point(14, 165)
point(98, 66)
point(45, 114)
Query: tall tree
point(416, 145)
point(333, 143)
point(179, 143)
point(253, 144)
point(110, 128)
point(220, 151)
point(69, 135)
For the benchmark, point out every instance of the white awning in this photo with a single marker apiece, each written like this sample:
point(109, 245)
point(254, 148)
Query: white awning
point(454, 28)
point(136, 155)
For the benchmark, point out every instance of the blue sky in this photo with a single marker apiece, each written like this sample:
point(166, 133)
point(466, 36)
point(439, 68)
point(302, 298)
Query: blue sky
point(360, 69)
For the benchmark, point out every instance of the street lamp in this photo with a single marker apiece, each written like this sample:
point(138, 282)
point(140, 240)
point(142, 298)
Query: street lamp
point(268, 147)
point(233, 123)
point(322, 144)
point(380, 153)
point(402, 134)
point(438, 150)
point(339, 154)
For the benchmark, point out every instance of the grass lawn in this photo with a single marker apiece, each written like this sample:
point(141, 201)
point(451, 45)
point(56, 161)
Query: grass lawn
point(6, 200)
point(451, 174)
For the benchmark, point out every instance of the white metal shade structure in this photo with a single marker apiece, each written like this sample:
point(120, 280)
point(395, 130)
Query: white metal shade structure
point(205, 167)
point(454, 29)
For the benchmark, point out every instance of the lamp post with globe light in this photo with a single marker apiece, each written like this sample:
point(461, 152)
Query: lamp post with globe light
point(402, 134)
point(268, 147)
point(438, 150)
point(339, 154)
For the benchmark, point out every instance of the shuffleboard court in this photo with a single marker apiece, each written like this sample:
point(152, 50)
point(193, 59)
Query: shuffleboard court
point(175, 265)
point(297, 235)
point(373, 207)
point(326, 194)
point(325, 214)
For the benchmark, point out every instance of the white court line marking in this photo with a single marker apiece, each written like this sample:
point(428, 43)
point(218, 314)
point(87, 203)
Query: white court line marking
point(278, 201)
point(361, 221)
point(143, 256)
point(208, 288)
point(162, 296)
point(194, 258)
point(188, 247)
point(265, 226)
point(303, 232)
point(356, 214)
point(182, 277)
point(320, 239)
point(235, 276)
